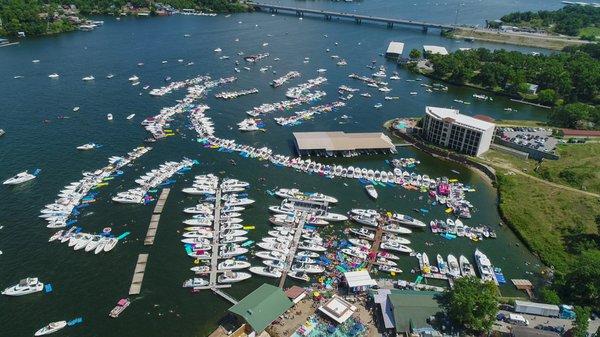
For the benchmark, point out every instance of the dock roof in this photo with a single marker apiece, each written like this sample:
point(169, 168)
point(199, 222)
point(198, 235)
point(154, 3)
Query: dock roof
point(262, 306)
point(359, 278)
point(412, 308)
point(435, 50)
point(341, 141)
point(395, 48)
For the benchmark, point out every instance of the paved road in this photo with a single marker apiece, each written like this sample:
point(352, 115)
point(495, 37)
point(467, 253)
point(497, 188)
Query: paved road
point(535, 320)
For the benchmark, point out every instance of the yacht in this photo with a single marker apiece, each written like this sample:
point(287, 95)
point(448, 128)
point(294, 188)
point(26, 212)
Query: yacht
point(302, 276)
point(308, 268)
point(51, 328)
point(266, 271)
point(232, 265)
point(466, 269)
point(54, 75)
point(270, 255)
point(86, 147)
point(88, 78)
point(19, 178)
point(195, 282)
point(453, 266)
point(26, 286)
point(371, 191)
point(392, 245)
point(406, 220)
point(232, 276)
point(391, 228)
point(75, 109)
point(486, 270)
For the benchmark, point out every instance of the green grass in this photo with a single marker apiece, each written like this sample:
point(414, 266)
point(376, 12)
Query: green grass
point(545, 216)
point(590, 31)
point(578, 167)
point(519, 122)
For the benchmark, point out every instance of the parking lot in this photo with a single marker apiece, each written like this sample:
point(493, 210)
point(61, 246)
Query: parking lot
point(534, 321)
point(536, 138)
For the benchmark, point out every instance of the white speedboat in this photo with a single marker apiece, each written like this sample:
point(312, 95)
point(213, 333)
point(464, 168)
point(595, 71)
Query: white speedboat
point(406, 220)
point(100, 247)
point(299, 276)
point(307, 254)
point(391, 228)
point(280, 264)
point(88, 78)
point(310, 246)
point(466, 268)
point(354, 252)
point(486, 270)
point(266, 271)
point(233, 265)
point(109, 117)
point(198, 222)
point(270, 255)
point(372, 191)
point(200, 269)
point(26, 286)
point(83, 241)
point(231, 251)
point(86, 147)
point(453, 266)
point(195, 282)
point(130, 117)
point(394, 246)
point(134, 78)
point(51, 328)
point(274, 247)
point(93, 243)
point(308, 268)
point(19, 178)
point(233, 276)
point(396, 239)
point(54, 75)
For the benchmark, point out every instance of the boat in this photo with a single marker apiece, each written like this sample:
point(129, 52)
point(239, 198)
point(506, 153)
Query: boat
point(54, 75)
point(371, 191)
point(486, 270)
point(109, 76)
point(391, 228)
point(75, 109)
point(26, 286)
point(88, 78)
point(302, 276)
point(390, 269)
point(195, 283)
point(394, 246)
point(200, 269)
point(232, 265)
point(130, 117)
point(270, 255)
point(51, 328)
point(109, 117)
point(308, 268)
point(134, 78)
point(119, 308)
point(266, 271)
point(19, 178)
point(406, 220)
point(230, 276)
point(87, 147)
point(442, 265)
point(466, 269)
point(453, 266)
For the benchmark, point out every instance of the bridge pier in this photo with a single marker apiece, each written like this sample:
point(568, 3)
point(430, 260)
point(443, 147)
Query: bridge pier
point(390, 25)
point(358, 21)
point(300, 13)
point(425, 29)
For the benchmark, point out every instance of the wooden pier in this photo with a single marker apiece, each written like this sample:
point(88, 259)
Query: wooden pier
point(154, 220)
point(375, 247)
point(295, 241)
point(223, 294)
point(214, 259)
point(138, 275)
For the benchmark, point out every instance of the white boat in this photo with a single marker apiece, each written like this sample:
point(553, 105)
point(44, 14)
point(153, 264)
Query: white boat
point(311, 247)
point(486, 270)
point(274, 247)
point(88, 78)
point(112, 243)
point(195, 282)
point(54, 76)
point(198, 222)
point(19, 178)
point(233, 265)
point(396, 247)
point(231, 250)
point(308, 254)
point(51, 328)
point(26, 286)
point(83, 241)
point(93, 243)
point(453, 266)
point(232, 276)
point(109, 117)
point(354, 252)
point(109, 76)
point(372, 221)
point(134, 78)
point(360, 243)
point(466, 268)
point(406, 220)
point(279, 264)
point(130, 117)
point(86, 147)
point(396, 239)
point(200, 269)
point(391, 228)
point(266, 271)
point(390, 269)
point(302, 276)
point(75, 109)
point(307, 268)
point(270, 255)
point(363, 232)
point(372, 191)
point(100, 247)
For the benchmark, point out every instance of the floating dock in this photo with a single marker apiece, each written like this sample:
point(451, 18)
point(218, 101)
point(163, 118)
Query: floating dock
point(154, 220)
point(290, 257)
point(214, 259)
point(138, 275)
point(375, 247)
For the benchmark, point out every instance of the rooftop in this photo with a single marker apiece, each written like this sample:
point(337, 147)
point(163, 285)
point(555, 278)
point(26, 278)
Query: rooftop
point(413, 308)
point(395, 48)
point(295, 293)
point(581, 133)
point(338, 309)
point(521, 331)
point(457, 117)
point(536, 304)
point(381, 298)
point(359, 278)
point(435, 50)
point(341, 141)
point(262, 306)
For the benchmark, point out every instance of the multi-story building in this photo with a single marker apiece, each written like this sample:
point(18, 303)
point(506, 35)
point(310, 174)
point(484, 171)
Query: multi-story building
point(449, 128)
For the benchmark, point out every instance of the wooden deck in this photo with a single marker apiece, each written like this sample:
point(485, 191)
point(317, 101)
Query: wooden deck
point(375, 247)
point(155, 219)
point(160, 204)
point(290, 258)
point(214, 259)
point(138, 275)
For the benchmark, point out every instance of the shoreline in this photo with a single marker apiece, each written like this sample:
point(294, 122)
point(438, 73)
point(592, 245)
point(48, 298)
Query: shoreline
point(546, 42)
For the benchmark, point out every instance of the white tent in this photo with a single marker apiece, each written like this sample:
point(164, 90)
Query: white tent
point(359, 278)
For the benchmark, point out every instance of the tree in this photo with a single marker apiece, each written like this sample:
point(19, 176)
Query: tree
point(550, 296)
point(415, 54)
point(581, 324)
point(472, 304)
point(582, 282)
point(597, 221)
point(547, 96)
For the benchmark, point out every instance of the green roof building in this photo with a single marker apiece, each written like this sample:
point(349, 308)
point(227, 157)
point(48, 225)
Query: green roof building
point(262, 306)
point(412, 309)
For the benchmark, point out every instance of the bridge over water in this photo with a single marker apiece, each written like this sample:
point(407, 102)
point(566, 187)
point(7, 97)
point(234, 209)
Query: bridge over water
point(358, 18)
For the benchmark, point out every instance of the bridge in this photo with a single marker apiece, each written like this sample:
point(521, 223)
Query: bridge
point(358, 18)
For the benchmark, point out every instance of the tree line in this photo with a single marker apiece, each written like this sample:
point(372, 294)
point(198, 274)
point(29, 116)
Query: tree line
point(568, 80)
point(568, 20)
point(28, 15)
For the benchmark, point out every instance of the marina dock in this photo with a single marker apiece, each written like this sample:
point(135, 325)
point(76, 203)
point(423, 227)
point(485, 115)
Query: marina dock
point(290, 257)
point(138, 275)
point(214, 259)
point(154, 220)
point(375, 247)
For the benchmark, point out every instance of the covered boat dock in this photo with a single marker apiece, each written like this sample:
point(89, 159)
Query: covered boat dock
point(339, 143)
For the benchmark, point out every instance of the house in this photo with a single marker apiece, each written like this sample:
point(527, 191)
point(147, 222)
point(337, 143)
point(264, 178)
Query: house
point(262, 306)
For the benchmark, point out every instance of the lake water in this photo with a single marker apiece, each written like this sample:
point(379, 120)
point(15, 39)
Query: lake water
point(89, 285)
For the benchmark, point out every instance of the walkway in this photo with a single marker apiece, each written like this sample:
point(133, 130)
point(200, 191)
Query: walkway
point(292, 253)
point(138, 275)
point(375, 247)
point(154, 220)
point(214, 260)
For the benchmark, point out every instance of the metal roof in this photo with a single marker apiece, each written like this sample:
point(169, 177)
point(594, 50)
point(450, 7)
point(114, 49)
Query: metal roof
point(262, 306)
point(359, 279)
point(341, 141)
point(457, 117)
point(395, 48)
point(412, 308)
point(537, 305)
point(435, 50)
